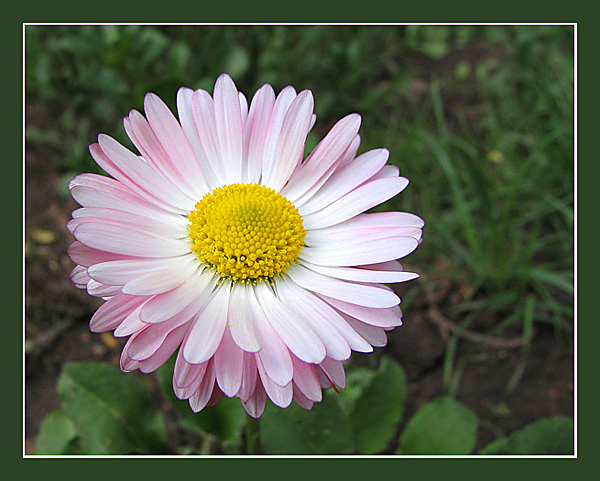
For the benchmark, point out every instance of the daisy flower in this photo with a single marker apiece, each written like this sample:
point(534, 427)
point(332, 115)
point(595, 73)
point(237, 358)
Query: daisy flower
point(220, 241)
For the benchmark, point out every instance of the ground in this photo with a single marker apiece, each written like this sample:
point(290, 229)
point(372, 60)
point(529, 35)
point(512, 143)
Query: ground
point(57, 316)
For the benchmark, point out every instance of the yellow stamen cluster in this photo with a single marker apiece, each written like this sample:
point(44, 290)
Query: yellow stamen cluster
point(246, 232)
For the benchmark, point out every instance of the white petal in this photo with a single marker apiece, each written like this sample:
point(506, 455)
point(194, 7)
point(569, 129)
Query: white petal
point(356, 202)
point(325, 154)
point(121, 239)
point(163, 280)
point(128, 168)
point(175, 227)
point(193, 294)
point(362, 275)
point(372, 334)
point(207, 331)
point(204, 118)
point(298, 337)
point(111, 194)
point(175, 142)
point(390, 317)
point(290, 147)
point(186, 117)
point(324, 314)
point(294, 296)
point(346, 179)
point(228, 123)
point(364, 295)
point(241, 320)
point(274, 355)
point(120, 272)
point(280, 108)
point(373, 252)
point(256, 129)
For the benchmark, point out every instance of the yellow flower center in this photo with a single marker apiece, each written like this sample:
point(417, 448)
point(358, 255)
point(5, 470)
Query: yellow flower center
point(246, 232)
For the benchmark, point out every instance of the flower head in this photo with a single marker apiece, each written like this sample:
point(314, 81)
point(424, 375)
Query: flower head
point(222, 242)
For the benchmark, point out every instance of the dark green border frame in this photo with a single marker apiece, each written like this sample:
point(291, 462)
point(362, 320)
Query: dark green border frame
point(277, 12)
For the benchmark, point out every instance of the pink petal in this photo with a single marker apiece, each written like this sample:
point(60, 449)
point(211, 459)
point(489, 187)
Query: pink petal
point(175, 227)
point(306, 380)
point(274, 355)
point(120, 272)
point(326, 315)
point(204, 118)
point(280, 395)
point(186, 117)
point(164, 352)
point(302, 400)
point(184, 373)
point(200, 399)
point(175, 143)
point(143, 137)
point(372, 334)
point(119, 238)
point(128, 168)
point(346, 179)
point(255, 131)
point(290, 147)
point(229, 364)
point(110, 314)
point(102, 290)
point(335, 371)
point(88, 256)
point(255, 405)
point(248, 377)
point(335, 143)
point(390, 317)
point(280, 108)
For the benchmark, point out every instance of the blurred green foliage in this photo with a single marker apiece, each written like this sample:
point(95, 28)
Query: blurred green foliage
point(107, 412)
point(479, 118)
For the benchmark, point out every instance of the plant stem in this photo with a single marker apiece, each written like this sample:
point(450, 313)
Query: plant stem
point(253, 436)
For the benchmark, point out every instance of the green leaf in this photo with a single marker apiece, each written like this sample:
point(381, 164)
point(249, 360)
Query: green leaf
point(56, 435)
point(224, 421)
point(378, 408)
point(546, 436)
point(323, 430)
point(443, 426)
point(113, 411)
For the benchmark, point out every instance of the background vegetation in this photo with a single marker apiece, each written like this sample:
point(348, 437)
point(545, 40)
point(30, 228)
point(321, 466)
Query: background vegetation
point(479, 118)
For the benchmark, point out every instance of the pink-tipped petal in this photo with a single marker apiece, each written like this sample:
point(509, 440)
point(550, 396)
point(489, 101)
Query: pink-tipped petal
point(355, 293)
point(356, 202)
point(229, 365)
point(228, 124)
